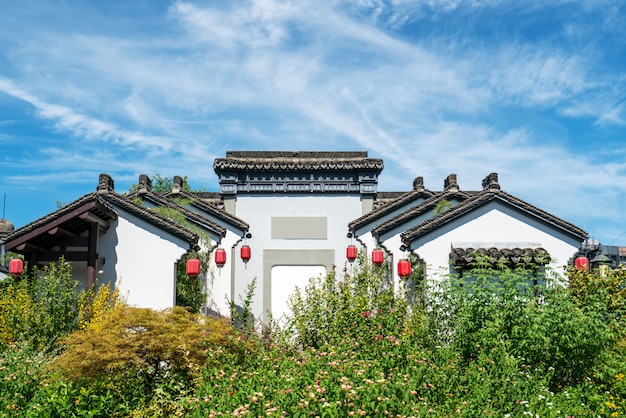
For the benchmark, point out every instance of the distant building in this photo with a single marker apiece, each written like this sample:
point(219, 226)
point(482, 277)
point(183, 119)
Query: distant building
point(297, 212)
point(613, 256)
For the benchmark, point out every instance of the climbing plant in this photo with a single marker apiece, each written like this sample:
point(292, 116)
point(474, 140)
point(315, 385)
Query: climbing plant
point(191, 292)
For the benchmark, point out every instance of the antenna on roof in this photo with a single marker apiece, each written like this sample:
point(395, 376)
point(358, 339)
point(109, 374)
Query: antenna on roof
point(619, 236)
point(4, 205)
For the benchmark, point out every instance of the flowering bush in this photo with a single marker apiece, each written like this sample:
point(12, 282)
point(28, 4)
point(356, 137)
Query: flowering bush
point(41, 308)
point(363, 306)
point(522, 313)
point(500, 342)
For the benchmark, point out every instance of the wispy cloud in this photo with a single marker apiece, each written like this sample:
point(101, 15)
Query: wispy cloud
point(433, 87)
point(81, 126)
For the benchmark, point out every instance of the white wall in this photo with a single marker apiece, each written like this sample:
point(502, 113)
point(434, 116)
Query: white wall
point(142, 261)
point(285, 280)
point(219, 280)
point(257, 210)
point(493, 223)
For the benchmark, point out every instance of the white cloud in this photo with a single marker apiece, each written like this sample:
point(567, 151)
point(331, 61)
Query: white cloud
point(268, 74)
point(82, 126)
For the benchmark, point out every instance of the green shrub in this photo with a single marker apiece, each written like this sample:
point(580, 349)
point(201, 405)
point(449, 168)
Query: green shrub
point(40, 308)
point(363, 306)
point(140, 350)
point(17, 312)
point(505, 343)
point(526, 315)
point(21, 373)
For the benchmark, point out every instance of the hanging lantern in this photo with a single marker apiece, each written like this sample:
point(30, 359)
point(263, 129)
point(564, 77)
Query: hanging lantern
point(404, 268)
point(351, 253)
point(245, 253)
point(220, 257)
point(16, 266)
point(378, 256)
point(582, 263)
point(193, 267)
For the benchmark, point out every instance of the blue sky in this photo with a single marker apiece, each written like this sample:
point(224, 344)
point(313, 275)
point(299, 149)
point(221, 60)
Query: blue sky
point(533, 91)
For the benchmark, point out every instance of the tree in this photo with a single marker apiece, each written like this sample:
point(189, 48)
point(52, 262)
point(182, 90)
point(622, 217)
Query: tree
point(161, 184)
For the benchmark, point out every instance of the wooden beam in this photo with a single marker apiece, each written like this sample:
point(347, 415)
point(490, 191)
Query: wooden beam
point(27, 247)
point(55, 255)
point(9, 245)
point(92, 255)
point(73, 242)
point(57, 230)
point(93, 219)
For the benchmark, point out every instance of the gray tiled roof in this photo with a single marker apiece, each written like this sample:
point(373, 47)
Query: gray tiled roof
point(193, 216)
point(210, 198)
point(152, 217)
point(297, 160)
point(108, 202)
point(482, 198)
point(383, 198)
point(391, 205)
point(427, 205)
point(106, 212)
point(209, 208)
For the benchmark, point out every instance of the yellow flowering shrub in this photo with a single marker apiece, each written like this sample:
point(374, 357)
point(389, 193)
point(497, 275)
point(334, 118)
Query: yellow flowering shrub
point(16, 312)
point(95, 305)
point(585, 285)
point(138, 347)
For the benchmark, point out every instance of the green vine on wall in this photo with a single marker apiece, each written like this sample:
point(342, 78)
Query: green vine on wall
point(190, 291)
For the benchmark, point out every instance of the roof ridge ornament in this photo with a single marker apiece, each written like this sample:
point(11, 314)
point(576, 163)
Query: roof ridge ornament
point(177, 185)
point(490, 183)
point(418, 184)
point(145, 184)
point(450, 184)
point(105, 184)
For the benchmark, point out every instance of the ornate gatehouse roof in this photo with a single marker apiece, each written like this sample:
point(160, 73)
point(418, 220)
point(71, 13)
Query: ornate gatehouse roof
point(298, 172)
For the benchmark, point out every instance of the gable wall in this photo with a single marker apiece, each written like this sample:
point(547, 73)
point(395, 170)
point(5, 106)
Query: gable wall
point(318, 237)
point(141, 260)
point(493, 223)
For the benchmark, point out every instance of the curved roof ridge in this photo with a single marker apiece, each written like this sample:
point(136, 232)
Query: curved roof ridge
point(478, 200)
point(389, 207)
point(219, 212)
point(196, 217)
point(425, 206)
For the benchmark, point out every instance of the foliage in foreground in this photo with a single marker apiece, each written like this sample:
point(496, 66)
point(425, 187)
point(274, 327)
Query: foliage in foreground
point(40, 309)
point(499, 344)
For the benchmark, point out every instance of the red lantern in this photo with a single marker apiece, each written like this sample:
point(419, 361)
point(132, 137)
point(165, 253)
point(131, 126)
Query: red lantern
point(16, 266)
point(245, 253)
point(404, 268)
point(220, 257)
point(378, 256)
point(351, 253)
point(582, 263)
point(193, 267)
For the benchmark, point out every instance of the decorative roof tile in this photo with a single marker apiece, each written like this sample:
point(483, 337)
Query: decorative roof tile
point(391, 205)
point(193, 216)
point(464, 257)
point(198, 201)
point(297, 160)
